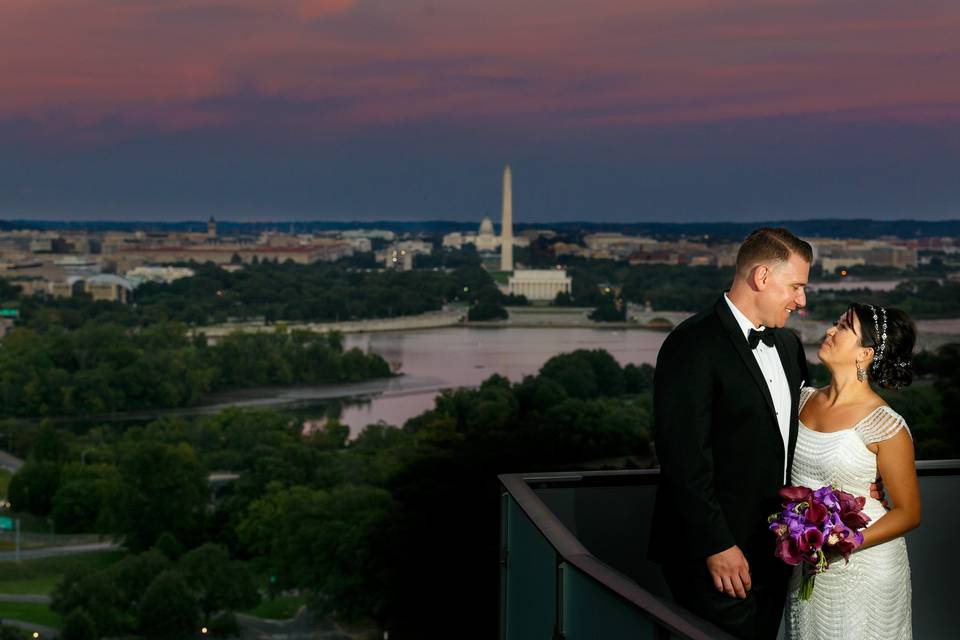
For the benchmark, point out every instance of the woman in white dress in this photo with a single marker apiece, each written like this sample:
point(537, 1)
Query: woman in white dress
point(847, 436)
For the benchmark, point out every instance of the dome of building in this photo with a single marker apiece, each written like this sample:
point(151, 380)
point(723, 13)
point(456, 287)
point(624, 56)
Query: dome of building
point(486, 227)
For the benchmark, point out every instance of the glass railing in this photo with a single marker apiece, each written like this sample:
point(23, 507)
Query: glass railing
point(573, 558)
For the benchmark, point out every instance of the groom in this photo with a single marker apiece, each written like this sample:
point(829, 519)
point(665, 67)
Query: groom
point(726, 391)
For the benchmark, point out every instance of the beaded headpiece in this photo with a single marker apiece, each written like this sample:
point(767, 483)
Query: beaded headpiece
point(881, 331)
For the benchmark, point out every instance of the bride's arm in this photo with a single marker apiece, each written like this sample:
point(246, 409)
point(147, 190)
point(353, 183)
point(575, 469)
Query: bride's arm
point(896, 465)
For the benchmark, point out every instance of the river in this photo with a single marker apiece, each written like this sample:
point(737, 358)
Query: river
point(435, 359)
point(432, 360)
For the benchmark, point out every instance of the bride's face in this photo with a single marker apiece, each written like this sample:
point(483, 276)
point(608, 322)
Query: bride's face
point(842, 345)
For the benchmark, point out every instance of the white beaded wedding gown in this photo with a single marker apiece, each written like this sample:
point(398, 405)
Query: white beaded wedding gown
point(869, 598)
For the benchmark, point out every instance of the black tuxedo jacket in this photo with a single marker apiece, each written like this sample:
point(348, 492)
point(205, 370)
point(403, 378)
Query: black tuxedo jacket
point(718, 440)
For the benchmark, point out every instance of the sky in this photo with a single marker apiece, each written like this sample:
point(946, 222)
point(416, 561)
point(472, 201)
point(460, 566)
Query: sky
point(606, 110)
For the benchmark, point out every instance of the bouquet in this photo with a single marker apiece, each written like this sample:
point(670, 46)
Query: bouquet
point(813, 524)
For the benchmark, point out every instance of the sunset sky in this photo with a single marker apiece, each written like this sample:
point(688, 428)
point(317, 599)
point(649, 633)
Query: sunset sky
point(620, 110)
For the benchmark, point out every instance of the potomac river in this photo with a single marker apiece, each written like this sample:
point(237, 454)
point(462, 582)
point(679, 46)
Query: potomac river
point(435, 359)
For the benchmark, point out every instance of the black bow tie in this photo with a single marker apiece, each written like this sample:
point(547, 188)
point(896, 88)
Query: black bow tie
point(754, 338)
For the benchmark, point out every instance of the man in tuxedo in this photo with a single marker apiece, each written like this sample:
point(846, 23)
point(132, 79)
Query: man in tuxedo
point(726, 392)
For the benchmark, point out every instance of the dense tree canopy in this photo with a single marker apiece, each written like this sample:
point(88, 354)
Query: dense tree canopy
point(103, 368)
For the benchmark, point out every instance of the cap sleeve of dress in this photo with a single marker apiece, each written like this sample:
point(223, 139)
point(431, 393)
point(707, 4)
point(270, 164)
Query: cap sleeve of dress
point(882, 424)
point(805, 394)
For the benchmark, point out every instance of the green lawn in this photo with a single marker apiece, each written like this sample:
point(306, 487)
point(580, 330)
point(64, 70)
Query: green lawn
point(30, 612)
point(281, 608)
point(40, 575)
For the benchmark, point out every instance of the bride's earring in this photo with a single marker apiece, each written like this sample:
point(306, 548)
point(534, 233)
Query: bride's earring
point(861, 373)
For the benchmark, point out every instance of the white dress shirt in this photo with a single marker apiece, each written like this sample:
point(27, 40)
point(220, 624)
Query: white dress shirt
point(773, 373)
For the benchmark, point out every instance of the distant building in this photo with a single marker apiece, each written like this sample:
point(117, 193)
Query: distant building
point(166, 275)
point(453, 240)
point(398, 259)
point(400, 255)
point(486, 239)
point(35, 285)
point(320, 250)
point(539, 284)
point(379, 234)
point(211, 229)
point(658, 257)
point(108, 287)
point(831, 253)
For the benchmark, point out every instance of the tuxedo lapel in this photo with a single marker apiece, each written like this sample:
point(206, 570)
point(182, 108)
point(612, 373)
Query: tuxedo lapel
point(735, 334)
point(792, 371)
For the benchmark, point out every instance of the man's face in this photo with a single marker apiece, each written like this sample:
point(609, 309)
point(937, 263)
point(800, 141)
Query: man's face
point(782, 291)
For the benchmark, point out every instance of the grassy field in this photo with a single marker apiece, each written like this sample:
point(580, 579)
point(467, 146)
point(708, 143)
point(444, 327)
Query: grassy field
point(40, 575)
point(30, 612)
point(281, 608)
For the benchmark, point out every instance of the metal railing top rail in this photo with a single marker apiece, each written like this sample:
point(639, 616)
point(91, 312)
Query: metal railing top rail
point(666, 613)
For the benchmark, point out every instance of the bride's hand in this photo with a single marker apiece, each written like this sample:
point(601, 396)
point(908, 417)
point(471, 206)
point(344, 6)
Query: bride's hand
point(877, 493)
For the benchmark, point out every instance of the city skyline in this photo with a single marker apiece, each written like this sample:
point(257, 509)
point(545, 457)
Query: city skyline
point(683, 111)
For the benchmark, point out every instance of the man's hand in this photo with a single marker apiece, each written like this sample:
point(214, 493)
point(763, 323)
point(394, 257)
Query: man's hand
point(876, 492)
point(730, 572)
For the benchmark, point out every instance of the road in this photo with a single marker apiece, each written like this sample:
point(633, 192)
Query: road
point(10, 462)
point(51, 552)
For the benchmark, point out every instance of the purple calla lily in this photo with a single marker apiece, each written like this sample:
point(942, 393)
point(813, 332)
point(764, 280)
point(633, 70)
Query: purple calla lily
point(813, 524)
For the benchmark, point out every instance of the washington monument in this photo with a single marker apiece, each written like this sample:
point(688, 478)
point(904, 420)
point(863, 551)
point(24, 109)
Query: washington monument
point(506, 224)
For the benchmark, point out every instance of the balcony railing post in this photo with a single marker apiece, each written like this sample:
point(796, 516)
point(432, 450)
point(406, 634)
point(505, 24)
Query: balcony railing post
point(558, 626)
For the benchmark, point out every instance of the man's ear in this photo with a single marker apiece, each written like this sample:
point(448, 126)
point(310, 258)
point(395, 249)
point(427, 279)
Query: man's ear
point(760, 276)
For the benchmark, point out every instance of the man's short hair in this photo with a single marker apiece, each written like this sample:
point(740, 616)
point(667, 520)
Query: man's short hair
point(771, 244)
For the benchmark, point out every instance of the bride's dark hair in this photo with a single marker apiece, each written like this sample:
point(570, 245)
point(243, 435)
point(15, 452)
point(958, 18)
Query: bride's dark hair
point(892, 368)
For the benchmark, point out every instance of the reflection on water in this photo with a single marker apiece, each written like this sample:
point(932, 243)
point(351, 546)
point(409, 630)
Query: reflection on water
point(459, 357)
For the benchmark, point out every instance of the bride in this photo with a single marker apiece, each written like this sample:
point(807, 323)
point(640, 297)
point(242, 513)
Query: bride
point(847, 436)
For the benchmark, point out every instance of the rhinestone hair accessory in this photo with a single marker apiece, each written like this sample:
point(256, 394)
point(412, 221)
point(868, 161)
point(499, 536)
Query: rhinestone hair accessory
point(881, 331)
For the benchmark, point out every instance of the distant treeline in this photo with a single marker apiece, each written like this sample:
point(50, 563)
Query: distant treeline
point(682, 288)
point(101, 368)
point(274, 292)
point(728, 231)
point(919, 298)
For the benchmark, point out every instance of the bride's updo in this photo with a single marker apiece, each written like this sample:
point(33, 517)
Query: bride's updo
point(892, 366)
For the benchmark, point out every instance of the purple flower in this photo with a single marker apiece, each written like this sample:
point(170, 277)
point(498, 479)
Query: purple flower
point(788, 551)
point(816, 513)
point(826, 496)
point(810, 540)
point(812, 524)
point(796, 494)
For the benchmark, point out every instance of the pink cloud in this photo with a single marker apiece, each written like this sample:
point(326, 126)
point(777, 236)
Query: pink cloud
point(557, 64)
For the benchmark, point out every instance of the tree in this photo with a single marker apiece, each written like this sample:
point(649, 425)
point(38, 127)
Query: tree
point(133, 575)
point(34, 486)
point(218, 582)
point(11, 633)
point(321, 541)
point(49, 444)
point(608, 311)
point(95, 593)
point(162, 488)
point(169, 610)
point(78, 625)
point(487, 311)
point(76, 507)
